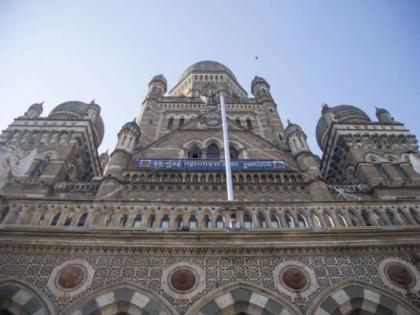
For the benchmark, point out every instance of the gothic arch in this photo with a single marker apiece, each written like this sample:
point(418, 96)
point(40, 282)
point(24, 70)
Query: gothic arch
point(20, 297)
point(240, 297)
point(122, 297)
point(351, 295)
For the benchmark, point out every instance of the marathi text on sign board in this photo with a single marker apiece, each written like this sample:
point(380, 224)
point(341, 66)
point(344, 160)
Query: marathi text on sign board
point(209, 165)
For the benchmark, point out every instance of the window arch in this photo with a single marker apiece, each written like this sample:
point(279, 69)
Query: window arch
point(342, 220)
point(123, 220)
point(302, 221)
point(328, 220)
point(247, 221)
point(415, 215)
point(56, 218)
point(220, 223)
point(181, 122)
point(194, 153)
point(261, 221)
point(193, 223)
point(179, 222)
point(365, 217)
point(234, 154)
point(164, 223)
point(170, 123)
point(249, 124)
point(315, 220)
point(213, 151)
point(152, 221)
point(289, 221)
point(137, 221)
point(82, 220)
point(69, 219)
point(275, 223)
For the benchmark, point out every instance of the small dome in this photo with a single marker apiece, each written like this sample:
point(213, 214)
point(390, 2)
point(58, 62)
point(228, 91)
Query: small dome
point(341, 114)
point(79, 110)
point(131, 126)
point(292, 128)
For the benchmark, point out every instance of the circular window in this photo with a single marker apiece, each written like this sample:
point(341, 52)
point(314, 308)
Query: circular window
point(400, 275)
point(183, 279)
point(71, 277)
point(295, 278)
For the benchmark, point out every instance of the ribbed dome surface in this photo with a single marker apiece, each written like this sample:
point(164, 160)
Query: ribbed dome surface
point(206, 66)
point(80, 110)
point(342, 114)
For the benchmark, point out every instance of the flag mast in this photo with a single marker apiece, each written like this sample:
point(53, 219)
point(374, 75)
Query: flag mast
point(229, 186)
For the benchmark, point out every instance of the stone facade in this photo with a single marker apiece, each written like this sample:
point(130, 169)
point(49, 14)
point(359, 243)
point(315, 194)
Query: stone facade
point(148, 230)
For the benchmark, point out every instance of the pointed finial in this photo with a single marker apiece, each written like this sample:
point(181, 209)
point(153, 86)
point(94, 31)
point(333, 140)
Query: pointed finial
point(93, 102)
point(288, 121)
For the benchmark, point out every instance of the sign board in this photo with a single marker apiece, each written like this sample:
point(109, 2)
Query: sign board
point(211, 165)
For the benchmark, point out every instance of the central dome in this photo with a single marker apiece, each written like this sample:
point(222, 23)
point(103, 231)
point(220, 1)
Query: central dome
point(206, 66)
point(199, 75)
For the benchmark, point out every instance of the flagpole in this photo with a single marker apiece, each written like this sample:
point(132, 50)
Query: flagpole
point(227, 149)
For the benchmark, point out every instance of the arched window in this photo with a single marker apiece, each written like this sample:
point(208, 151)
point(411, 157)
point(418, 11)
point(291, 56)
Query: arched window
point(247, 221)
point(391, 217)
point(152, 221)
point(181, 122)
point(82, 220)
point(315, 220)
point(342, 220)
point(234, 223)
point(42, 218)
point(234, 154)
point(69, 219)
point(137, 221)
point(261, 220)
point(194, 153)
point(249, 124)
point(289, 221)
point(328, 220)
point(207, 221)
point(123, 220)
point(238, 122)
point(378, 218)
point(193, 224)
point(164, 223)
point(170, 123)
point(415, 215)
point(213, 151)
point(353, 218)
point(220, 223)
point(365, 217)
point(179, 222)
point(302, 222)
point(275, 223)
point(403, 217)
point(56, 218)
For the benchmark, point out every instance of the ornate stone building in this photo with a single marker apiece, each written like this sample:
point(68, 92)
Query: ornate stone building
point(147, 229)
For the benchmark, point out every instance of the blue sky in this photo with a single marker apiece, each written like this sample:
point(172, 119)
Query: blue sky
point(365, 53)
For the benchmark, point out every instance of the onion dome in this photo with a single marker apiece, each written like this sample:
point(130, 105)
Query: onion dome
point(79, 110)
point(347, 114)
point(131, 127)
point(159, 79)
point(257, 81)
point(293, 128)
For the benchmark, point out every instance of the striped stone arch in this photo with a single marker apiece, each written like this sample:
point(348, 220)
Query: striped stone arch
point(121, 298)
point(19, 297)
point(356, 297)
point(242, 297)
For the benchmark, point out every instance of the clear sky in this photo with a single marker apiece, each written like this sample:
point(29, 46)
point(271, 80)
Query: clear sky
point(365, 53)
